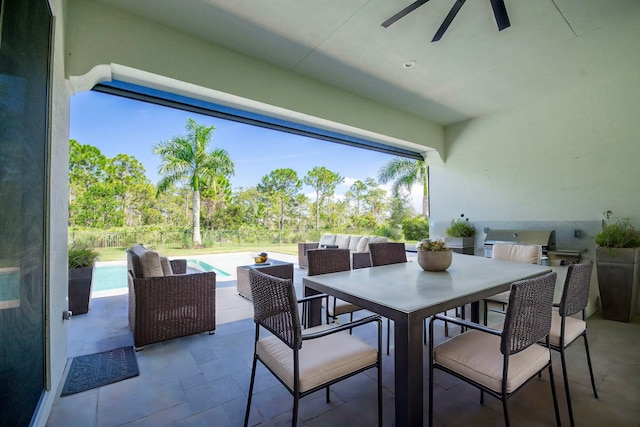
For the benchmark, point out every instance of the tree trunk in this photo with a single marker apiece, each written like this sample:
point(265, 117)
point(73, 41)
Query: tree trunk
point(317, 209)
point(197, 240)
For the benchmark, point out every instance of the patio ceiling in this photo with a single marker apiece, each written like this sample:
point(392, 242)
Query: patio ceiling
point(551, 46)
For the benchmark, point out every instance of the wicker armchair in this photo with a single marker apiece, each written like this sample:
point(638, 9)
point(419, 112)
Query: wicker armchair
point(501, 362)
point(163, 308)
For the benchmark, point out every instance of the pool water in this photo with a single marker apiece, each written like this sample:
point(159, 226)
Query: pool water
point(114, 277)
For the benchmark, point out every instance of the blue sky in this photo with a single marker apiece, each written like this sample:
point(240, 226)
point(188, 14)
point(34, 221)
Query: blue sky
point(119, 125)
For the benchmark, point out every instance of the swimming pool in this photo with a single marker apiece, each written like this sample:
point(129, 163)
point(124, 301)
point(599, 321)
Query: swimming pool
point(110, 279)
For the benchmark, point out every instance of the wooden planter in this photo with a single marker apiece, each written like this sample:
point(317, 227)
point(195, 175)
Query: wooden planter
point(618, 277)
point(80, 280)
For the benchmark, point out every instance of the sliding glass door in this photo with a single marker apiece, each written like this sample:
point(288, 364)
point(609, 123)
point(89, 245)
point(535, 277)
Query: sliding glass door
point(25, 39)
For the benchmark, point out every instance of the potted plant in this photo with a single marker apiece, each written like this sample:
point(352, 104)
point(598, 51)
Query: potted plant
point(460, 235)
point(617, 259)
point(82, 258)
point(434, 255)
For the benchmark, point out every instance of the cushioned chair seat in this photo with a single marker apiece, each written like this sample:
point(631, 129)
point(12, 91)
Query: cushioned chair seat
point(477, 356)
point(573, 327)
point(342, 307)
point(317, 365)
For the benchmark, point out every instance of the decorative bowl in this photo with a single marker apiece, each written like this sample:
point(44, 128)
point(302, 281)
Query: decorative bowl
point(435, 260)
point(260, 257)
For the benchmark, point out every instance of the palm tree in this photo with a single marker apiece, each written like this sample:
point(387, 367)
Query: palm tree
point(186, 158)
point(405, 173)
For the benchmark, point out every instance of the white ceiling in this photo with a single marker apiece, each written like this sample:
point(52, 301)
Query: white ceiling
point(552, 45)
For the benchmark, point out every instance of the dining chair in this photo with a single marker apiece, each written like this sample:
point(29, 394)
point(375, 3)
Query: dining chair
point(531, 254)
point(501, 362)
point(385, 254)
point(323, 261)
point(305, 362)
point(565, 327)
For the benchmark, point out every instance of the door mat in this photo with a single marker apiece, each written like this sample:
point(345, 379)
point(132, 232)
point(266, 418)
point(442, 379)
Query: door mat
point(98, 369)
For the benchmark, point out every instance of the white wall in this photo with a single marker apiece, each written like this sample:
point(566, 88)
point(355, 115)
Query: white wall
point(567, 159)
point(57, 280)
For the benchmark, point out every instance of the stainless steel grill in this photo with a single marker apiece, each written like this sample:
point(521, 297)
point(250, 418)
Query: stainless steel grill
point(546, 239)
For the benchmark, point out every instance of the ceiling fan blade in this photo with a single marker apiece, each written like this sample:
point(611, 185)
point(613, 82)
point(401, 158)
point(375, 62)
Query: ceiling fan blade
point(500, 12)
point(413, 6)
point(447, 21)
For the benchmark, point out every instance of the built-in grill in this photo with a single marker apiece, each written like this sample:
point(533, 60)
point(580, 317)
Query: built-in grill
point(546, 239)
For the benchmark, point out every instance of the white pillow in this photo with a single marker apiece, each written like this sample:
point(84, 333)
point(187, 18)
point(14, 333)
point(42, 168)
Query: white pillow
point(327, 239)
point(342, 240)
point(363, 244)
point(166, 266)
point(376, 239)
point(353, 243)
point(150, 264)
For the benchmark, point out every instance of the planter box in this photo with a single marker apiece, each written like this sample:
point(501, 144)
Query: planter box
point(461, 245)
point(80, 280)
point(618, 275)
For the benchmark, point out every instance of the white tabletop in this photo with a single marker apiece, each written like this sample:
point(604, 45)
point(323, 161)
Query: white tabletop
point(407, 288)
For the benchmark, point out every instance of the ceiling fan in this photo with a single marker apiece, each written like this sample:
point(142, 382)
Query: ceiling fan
point(499, 11)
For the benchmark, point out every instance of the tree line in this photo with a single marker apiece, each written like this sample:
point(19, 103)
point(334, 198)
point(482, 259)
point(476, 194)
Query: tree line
point(195, 191)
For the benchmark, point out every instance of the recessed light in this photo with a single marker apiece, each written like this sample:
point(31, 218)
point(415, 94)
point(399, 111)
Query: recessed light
point(409, 64)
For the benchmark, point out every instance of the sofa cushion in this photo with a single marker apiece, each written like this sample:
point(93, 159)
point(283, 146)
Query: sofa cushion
point(353, 243)
point(376, 239)
point(150, 265)
point(342, 240)
point(363, 244)
point(327, 239)
point(167, 270)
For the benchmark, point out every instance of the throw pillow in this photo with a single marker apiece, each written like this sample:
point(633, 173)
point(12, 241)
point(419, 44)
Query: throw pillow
point(327, 239)
point(342, 240)
point(377, 239)
point(363, 244)
point(150, 264)
point(166, 266)
point(353, 243)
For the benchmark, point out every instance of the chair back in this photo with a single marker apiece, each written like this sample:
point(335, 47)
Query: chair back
point(387, 253)
point(323, 261)
point(531, 254)
point(575, 295)
point(275, 307)
point(528, 317)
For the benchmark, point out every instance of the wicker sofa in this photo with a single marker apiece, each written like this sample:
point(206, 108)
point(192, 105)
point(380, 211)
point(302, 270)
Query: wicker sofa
point(357, 245)
point(163, 307)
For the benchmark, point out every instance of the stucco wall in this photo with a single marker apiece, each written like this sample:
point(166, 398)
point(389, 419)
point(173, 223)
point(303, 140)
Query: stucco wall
point(99, 34)
point(568, 159)
point(57, 263)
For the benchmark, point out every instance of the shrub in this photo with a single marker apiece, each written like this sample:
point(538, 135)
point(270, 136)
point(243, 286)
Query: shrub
point(416, 228)
point(620, 234)
point(82, 255)
point(461, 227)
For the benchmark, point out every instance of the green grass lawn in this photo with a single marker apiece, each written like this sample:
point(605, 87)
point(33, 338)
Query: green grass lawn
point(119, 254)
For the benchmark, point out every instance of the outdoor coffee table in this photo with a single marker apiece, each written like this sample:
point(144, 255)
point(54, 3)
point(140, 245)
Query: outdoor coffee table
point(273, 267)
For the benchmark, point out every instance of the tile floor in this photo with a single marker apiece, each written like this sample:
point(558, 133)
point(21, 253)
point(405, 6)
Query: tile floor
point(203, 380)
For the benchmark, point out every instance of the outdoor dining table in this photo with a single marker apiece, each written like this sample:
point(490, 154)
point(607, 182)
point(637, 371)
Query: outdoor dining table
point(406, 294)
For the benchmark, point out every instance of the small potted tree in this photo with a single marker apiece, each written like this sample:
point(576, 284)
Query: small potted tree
point(82, 259)
point(460, 235)
point(617, 259)
point(434, 255)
